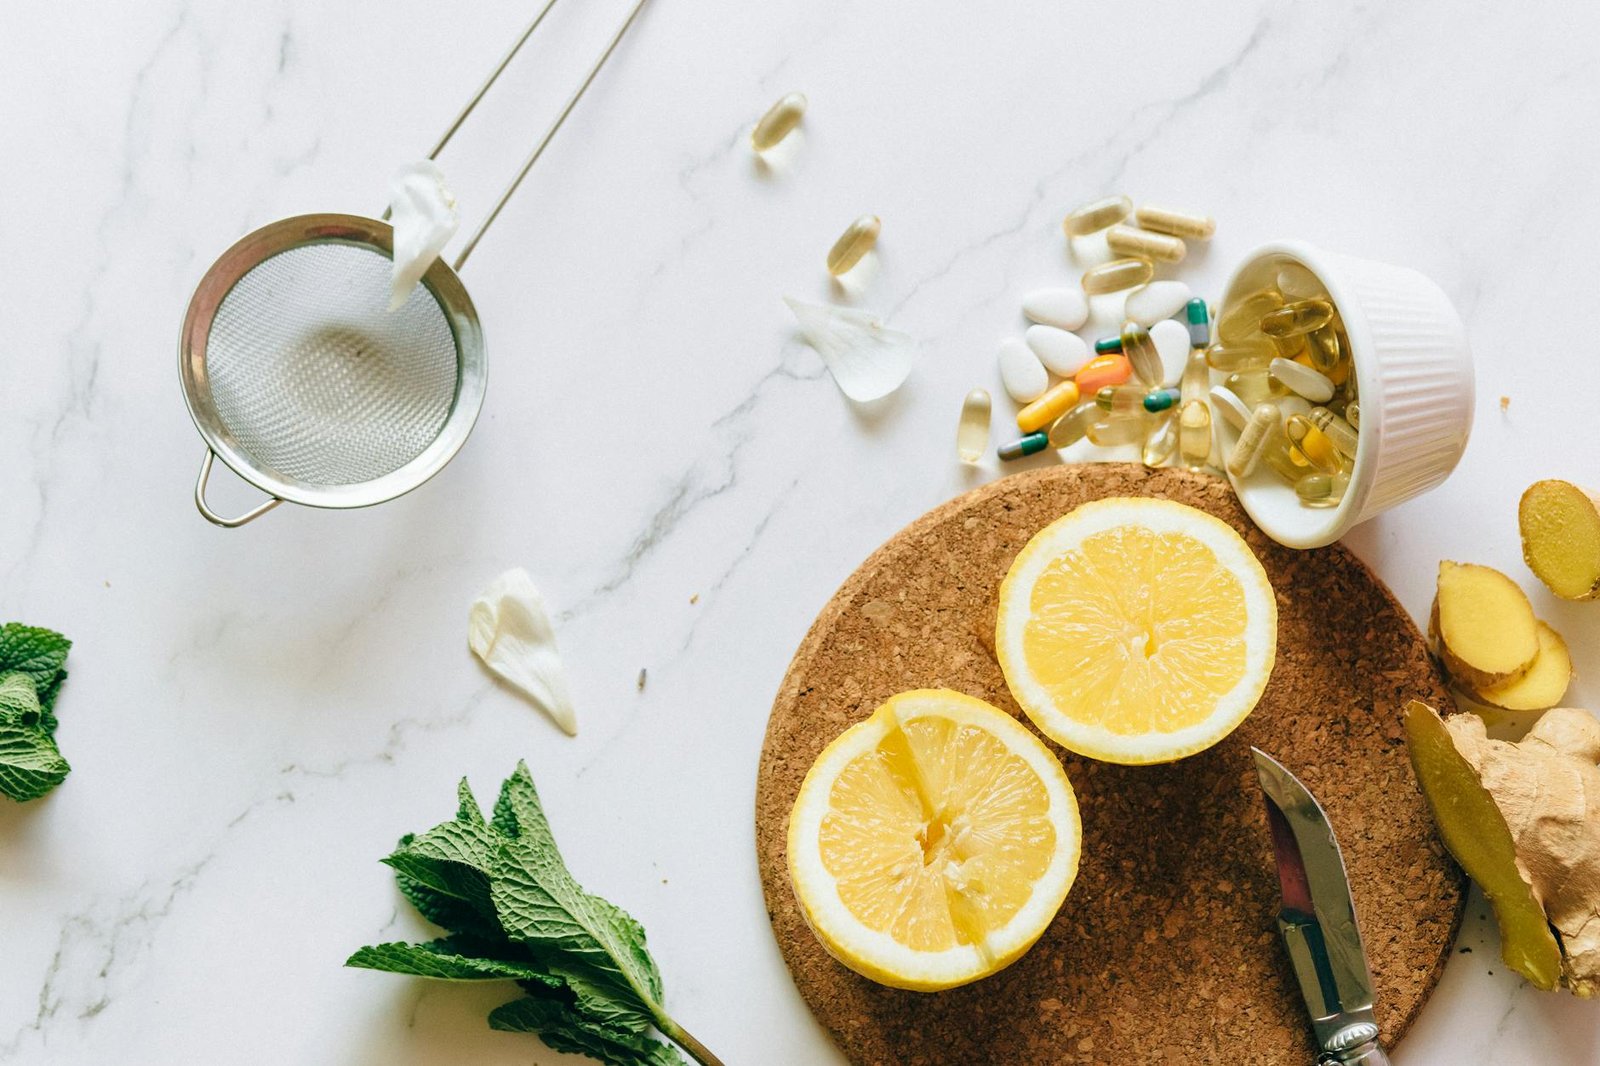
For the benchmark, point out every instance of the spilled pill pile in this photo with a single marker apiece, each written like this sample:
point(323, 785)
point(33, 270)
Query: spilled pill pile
point(1146, 385)
point(1287, 400)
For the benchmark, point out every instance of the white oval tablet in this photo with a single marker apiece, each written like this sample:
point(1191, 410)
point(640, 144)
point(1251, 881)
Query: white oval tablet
point(1061, 308)
point(1021, 372)
point(1062, 353)
point(1171, 339)
point(1149, 304)
point(1229, 406)
point(1302, 379)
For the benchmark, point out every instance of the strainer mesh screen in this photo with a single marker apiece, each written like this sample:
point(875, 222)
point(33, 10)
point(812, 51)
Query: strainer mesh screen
point(316, 379)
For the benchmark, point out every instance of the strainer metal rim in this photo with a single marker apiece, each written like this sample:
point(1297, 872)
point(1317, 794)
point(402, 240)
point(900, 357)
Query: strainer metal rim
point(296, 232)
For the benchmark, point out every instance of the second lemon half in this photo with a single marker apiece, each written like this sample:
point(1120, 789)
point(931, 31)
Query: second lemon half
point(1137, 630)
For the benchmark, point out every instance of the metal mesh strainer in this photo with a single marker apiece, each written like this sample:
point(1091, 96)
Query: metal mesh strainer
point(304, 383)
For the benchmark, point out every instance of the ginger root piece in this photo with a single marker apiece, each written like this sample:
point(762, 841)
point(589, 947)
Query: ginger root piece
point(1523, 820)
point(1560, 525)
point(1542, 686)
point(1483, 625)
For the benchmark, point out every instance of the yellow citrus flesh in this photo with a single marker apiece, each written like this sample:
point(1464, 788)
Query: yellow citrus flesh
point(1136, 630)
point(933, 843)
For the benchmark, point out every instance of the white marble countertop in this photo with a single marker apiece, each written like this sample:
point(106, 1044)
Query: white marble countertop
point(254, 716)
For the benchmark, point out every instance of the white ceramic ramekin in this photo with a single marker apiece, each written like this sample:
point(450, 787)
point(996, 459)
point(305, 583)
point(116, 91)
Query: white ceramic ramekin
point(1413, 373)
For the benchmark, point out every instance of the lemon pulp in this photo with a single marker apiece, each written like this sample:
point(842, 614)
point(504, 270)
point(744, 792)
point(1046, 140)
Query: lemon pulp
point(934, 842)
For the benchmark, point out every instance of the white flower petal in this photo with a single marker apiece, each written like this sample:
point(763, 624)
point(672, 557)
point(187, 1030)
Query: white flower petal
point(867, 359)
point(510, 631)
point(423, 213)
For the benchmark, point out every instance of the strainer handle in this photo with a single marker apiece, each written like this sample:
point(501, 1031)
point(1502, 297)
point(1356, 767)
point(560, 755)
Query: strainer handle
point(212, 516)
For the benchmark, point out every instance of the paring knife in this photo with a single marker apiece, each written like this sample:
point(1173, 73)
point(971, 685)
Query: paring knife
point(1317, 920)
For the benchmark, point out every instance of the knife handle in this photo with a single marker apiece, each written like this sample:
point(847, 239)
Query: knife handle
point(1365, 1054)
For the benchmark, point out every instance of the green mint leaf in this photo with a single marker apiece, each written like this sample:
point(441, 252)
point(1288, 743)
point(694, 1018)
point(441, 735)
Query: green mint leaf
point(39, 653)
point(502, 888)
point(451, 959)
point(30, 764)
point(568, 1030)
point(540, 905)
point(518, 813)
point(448, 867)
point(19, 700)
point(448, 912)
point(467, 805)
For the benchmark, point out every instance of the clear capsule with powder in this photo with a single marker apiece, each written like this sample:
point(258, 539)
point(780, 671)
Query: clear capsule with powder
point(1096, 216)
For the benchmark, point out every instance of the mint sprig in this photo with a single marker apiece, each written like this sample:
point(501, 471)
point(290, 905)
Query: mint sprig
point(32, 668)
point(515, 912)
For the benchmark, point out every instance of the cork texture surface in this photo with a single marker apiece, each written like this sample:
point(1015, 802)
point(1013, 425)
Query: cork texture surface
point(1165, 950)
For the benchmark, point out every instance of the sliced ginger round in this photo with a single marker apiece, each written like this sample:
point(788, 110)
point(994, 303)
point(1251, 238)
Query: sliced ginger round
point(1542, 685)
point(1560, 525)
point(1483, 625)
point(1136, 630)
point(933, 843)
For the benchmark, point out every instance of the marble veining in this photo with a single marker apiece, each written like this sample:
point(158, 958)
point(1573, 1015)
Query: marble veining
point(255, 716)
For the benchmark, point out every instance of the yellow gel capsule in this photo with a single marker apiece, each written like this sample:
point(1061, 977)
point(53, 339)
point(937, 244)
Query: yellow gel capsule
point(1195, 381)
point(1127, 241)
point(1232, 358)
point(1060, 399)
point(1070, 428)
point(1254, 386)
point(1108, 433)
point(1243, 319)
point(1177, 223)
point(1316, 490)
point(1302, 316)
point(1141, 353)
point(1119, 400)
point(1194, 434)
point(1311, 444)
point(1092, 218)
point(779, 121)
point(1160, 441)
point(853, 243)
point(1117, 275)
point(1340, 433)
point(1325, 350)
point(972, 433)
point(1352, 414)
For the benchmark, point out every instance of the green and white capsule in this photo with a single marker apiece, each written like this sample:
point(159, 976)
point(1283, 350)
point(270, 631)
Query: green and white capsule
point(1158, 400)
point(1030, 444)
point(1198, 318)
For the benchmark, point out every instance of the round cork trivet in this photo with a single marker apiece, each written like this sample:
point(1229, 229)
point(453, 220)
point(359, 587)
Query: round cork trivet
point(1165, 950)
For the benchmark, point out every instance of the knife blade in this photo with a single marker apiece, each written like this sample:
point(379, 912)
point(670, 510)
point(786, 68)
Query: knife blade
point(1317, 920)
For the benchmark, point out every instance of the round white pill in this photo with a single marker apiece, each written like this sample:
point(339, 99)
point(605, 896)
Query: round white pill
point(1021, 372)
point(1149, 304)
point(1302, 379)
point(1061, 308)
point(1171, 339)
point(1062, 353)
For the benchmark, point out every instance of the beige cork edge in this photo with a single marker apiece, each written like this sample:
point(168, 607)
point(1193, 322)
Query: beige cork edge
point(1165, 950)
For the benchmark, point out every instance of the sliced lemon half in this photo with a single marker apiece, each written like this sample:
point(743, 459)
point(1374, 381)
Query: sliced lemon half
point(1137, 630)
point(933, 843)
